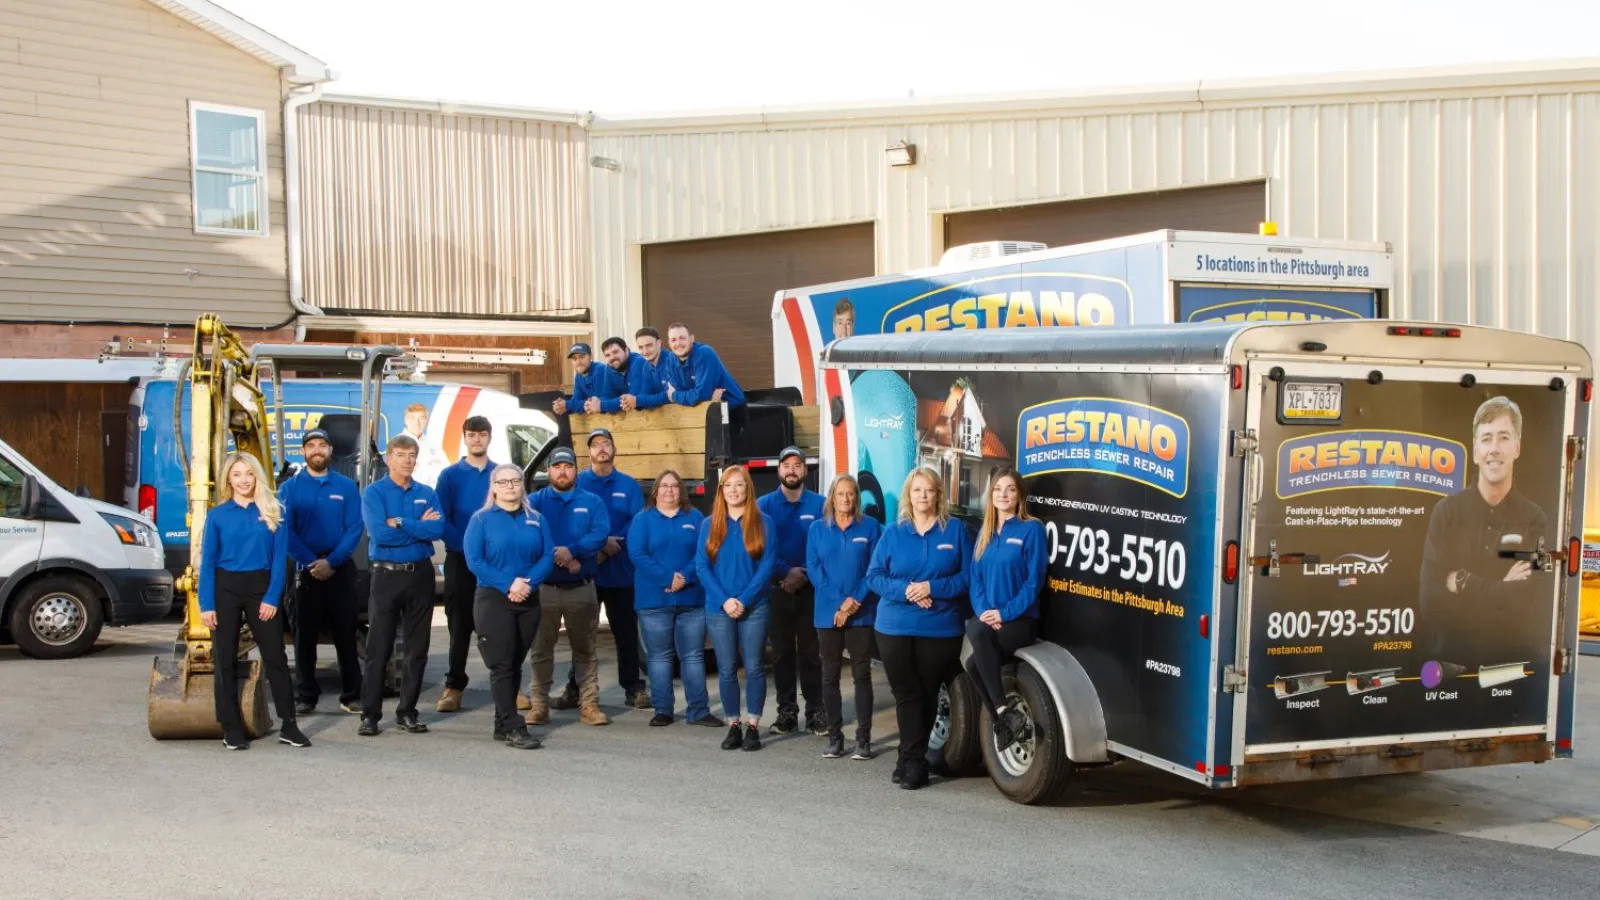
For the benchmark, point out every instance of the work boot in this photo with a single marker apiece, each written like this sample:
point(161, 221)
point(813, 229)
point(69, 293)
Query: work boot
point(538, 713)
point(523, 703)
point(640, 699)
point(367, 728)
point(449, 701)
point(590, 714)
point(520, 739)
point(409, 724)
point(567, 700)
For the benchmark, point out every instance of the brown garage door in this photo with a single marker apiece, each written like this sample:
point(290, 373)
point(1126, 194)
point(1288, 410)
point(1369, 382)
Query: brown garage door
point(722, 288)
point(1229, 207)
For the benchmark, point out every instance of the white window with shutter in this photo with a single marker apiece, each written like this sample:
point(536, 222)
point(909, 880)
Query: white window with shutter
point(228, 152)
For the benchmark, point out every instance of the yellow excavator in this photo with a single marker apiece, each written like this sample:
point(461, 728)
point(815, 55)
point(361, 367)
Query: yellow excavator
point(228, 409)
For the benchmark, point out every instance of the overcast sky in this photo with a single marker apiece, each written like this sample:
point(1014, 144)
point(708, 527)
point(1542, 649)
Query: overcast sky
point(617, 56)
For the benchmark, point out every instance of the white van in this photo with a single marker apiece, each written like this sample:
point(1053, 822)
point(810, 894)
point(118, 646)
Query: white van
point(70, 565)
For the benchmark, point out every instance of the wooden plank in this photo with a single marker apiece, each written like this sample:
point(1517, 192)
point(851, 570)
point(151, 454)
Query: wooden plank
point(644, 442)
point(807, 428)
point(689, 466)
point(670, 416)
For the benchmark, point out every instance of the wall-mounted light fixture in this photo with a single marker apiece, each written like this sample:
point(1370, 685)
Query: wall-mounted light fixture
point(902, 154)
point(603, 162)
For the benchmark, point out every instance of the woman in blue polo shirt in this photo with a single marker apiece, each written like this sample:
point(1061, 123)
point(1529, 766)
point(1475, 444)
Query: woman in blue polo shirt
point(734, 560)
point(919, 572)
point(662, 543)
point(838, 548)
point(1008, 563)
point(244, 554)
point(510, 550)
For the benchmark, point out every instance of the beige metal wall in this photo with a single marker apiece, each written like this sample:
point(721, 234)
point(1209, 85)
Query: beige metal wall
point(96, 215)
point(1485, 181)
point(432, 213)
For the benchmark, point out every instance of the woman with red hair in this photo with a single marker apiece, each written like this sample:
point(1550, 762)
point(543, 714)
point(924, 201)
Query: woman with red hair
point(734, 562)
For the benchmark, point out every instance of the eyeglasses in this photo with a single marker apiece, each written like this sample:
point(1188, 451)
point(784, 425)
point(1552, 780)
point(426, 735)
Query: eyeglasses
point(506, 482)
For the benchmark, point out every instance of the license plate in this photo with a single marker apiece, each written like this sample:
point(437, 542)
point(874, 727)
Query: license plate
point(1312, 401)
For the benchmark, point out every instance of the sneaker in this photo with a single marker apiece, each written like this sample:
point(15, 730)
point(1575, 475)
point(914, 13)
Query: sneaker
point(523, 703)
point(537, 715)
point(291, 734)
point(305, 707)
point(863, 749)
point(660, 719)
point(816, 724)
point(1014, 724)
point(567, 700)
point(591, 715)
point(449, 701)
point(410, 725)
point(752, 737)
point(835, 747)
point(735, 738)
point(351, 706)
point(520, 739)
point(235, 740)
point(786, 723)
point(640, 699)
point(708, 721)
point(367, 728)
point(1003, 735)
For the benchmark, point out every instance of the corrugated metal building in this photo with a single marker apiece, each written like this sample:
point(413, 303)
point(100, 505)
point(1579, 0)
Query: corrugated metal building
point(1484, 180)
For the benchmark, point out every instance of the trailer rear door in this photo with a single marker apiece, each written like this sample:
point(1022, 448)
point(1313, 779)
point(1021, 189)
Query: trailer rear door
point(1398, 614)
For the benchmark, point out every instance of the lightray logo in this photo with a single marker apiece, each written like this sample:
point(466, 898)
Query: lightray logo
point(1348, 564)
point(896, 422)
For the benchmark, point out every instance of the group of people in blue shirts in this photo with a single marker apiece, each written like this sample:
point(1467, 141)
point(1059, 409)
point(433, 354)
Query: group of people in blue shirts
point(689, 374)
point(811, 574)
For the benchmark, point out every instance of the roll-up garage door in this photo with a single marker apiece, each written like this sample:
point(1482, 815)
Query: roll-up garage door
point(722, 288)
point(1229, 207)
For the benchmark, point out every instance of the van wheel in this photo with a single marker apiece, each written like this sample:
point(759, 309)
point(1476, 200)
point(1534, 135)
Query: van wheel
point(1035, 768)
point(57, 617)
point(953, 746)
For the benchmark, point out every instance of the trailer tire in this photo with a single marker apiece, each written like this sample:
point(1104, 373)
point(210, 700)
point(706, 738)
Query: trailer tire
point(57, 617)
point(953, 748)
point(1034, 770)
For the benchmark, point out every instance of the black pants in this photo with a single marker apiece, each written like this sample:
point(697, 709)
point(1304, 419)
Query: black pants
point(833, 642)
point(329, 605)
point(400, 602)
point(460, 598)
point(239, 596)
point(624, 622)
point(917, 667)
point(505, 635)
point(991, 650)
point(794, 650)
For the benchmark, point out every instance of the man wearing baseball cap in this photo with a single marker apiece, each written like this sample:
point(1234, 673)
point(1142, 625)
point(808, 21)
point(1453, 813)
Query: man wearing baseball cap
point(578, 524)
point(590, 383)
point(322, 510)
point(792, 508)
point(613, 579)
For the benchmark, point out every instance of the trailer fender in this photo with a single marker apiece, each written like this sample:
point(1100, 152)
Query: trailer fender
point(1082, 717)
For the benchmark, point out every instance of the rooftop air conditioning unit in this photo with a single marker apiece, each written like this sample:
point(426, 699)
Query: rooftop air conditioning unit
point(966, 253)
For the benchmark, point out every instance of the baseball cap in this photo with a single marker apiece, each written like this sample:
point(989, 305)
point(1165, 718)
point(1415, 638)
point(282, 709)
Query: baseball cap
point(315, 434)
point(577, 348)
point(787, 452)
point(563, 455)
point(599, 433)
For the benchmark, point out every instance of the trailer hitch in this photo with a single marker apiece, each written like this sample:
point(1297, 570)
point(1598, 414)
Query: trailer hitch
point(1274, 560)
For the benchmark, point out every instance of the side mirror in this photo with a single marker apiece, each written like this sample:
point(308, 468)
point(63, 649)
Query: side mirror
point(32, 498)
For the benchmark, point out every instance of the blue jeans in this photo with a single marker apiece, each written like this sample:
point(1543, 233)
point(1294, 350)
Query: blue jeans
point(677, 632)
point(734, 639)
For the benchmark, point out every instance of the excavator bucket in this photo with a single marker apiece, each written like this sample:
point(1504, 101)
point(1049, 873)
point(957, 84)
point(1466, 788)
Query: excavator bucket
point(183, 705)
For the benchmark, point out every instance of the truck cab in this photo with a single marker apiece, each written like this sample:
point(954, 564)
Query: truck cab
point(71, 565)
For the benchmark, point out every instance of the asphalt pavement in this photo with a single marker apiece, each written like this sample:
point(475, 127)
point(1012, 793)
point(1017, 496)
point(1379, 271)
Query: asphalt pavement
point(91, 806)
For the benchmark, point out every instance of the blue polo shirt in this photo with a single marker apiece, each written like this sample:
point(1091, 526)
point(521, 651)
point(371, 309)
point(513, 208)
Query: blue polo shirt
point(623, 499)
point(694, 379)
point(577, 521)
point(323, 514)
point(412, 542)
point(734, 573)
point(1008, 576)
point(661, 546)
point(463, 489)
point(643, 382)
point(941, 557)
point(791, 524)
point(836, 562)
point(600, 381)
point(502, 546)
point(237, 540)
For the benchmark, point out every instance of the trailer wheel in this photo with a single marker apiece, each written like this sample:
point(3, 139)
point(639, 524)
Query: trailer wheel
point(953, 745)
point(1035, 768)
point(57, 617)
